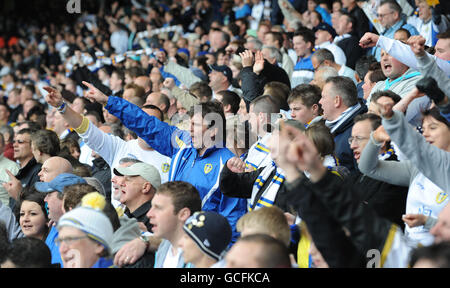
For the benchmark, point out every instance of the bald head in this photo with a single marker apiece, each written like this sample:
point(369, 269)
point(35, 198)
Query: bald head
point(54, 166)
point(159, 100)
point(144, 82)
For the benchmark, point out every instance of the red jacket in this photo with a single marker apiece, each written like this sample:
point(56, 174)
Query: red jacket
point(9, 152)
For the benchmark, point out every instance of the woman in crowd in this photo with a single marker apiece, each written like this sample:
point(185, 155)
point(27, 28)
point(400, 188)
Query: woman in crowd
point(33, 217)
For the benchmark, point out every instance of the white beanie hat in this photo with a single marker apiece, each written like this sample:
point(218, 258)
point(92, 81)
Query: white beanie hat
point(90, 219)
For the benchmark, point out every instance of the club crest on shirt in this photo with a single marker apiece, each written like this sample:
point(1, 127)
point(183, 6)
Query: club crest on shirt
point(441, 197)
point(165, 167)
point(208, 168)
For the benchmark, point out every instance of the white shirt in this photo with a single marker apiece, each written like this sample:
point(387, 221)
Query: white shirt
point(112, 149)
point(424, 197)
point(340, 38)
point(257, 13)
point(85, 154)
point(119, 41)
point(171, 260)
point(403, 53)
point(338, 53)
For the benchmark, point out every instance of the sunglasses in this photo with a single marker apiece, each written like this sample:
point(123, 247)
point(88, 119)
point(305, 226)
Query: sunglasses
point(20, 141)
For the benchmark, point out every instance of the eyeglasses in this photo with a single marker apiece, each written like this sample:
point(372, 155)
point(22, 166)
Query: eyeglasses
point(379, 15)
point(20, 141)
point(357, 139)
point(68, 240)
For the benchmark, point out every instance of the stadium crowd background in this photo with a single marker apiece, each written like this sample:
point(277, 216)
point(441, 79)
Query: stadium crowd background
point(240, 134)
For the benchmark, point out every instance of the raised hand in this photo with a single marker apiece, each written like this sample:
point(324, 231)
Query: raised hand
point(247, 58)
point(259, 62)
point(414, 220)
point(94, 94)
point(54, 97)
point(386, 104)
point(380, 135)
point(130, 253)
point(169, 83)
point(13, 187)
point(368, 40)
point(236, 165)
point(303, 152)
point(430, 87)
point(417, 44)
point(161, 57)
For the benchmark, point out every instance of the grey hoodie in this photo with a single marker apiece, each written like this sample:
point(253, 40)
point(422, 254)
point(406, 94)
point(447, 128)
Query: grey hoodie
point(128, 230)
point(12, 226)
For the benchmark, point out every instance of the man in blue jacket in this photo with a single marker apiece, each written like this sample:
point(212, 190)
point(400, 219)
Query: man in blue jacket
point(197, 157)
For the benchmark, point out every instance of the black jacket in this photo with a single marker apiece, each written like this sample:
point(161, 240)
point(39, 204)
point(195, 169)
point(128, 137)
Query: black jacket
point(28, 175)
point(102, 171)
point(352, 50)
point(253, 85)
point(362, 22)
point(140, 214)
point(84, 74)
point(342, 148)
point(331, 201)
point(240, 185)
point(337, 249)
point(387, 200)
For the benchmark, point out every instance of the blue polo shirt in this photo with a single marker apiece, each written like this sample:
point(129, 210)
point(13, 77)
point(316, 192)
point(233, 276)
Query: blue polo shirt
point(54, 248)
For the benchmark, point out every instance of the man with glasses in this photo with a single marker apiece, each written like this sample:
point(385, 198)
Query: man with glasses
point(389, 201)
point(29, 168)
point(391, 19)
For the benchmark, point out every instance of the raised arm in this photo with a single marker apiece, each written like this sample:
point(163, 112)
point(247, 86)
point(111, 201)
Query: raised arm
point(159, 135)
point(365, 229)
point(400, 51)
point(433, 162)
point(251, 86)
point(186, 99)
point(104, 144)
point(234, 181)
point(392, 172)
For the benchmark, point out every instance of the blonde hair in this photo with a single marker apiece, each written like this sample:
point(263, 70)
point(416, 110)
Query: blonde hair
point(267, 220)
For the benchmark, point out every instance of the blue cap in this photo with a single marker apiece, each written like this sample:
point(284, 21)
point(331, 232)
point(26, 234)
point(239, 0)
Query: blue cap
point(58, 184)
point(225, 70)
point(326, 27)
point(185, 51)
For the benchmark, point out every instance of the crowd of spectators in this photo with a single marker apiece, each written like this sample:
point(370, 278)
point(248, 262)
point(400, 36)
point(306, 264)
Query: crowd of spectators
point(234, 133)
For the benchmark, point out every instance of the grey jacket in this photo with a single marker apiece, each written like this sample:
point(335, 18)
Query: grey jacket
point(128, 230)
point(12, 226)
point(161, 254)
point(428, 67)
point(423, 157)
point(183, 74)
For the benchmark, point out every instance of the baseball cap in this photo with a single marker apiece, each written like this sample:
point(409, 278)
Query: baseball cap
point(326, 27)
point(210, 231)
point(145, 170)
point(225, 70)
point(59, 182)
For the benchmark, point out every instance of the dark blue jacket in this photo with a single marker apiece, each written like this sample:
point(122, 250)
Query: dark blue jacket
point(342, 148)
